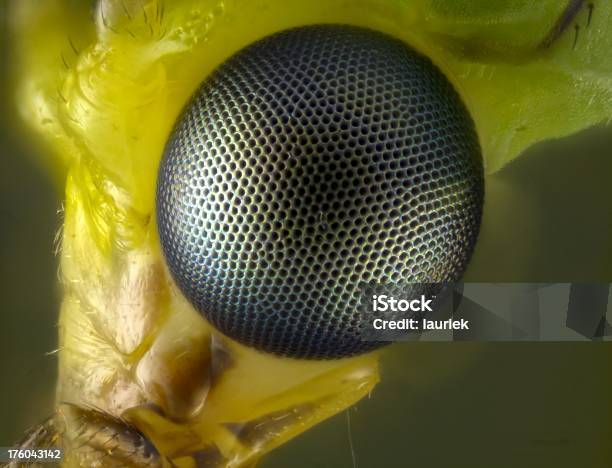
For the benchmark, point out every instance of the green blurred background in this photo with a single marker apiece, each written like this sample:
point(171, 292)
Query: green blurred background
point(548, 218)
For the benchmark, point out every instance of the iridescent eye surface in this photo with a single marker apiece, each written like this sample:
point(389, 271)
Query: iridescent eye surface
point(314, 161)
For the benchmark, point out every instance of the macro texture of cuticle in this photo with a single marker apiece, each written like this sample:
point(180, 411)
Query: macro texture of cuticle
point(314, 161)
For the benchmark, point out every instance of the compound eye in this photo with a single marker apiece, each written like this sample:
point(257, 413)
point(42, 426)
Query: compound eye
point(311, 162)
